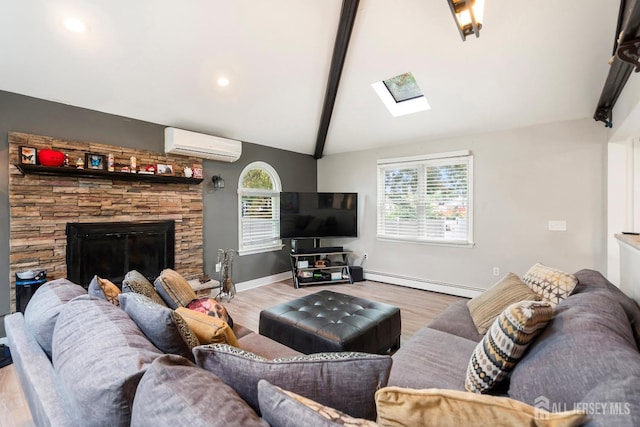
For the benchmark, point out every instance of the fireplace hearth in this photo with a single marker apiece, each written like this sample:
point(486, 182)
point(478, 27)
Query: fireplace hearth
point(111, 249)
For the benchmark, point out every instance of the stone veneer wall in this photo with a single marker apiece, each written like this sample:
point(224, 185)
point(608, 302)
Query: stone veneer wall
point(41, 206)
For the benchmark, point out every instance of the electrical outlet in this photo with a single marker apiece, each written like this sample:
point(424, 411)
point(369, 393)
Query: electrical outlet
point(366, 255)
point(496, 271)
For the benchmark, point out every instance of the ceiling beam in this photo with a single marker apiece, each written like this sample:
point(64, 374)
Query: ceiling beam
point(345, 28)
point(626, 54)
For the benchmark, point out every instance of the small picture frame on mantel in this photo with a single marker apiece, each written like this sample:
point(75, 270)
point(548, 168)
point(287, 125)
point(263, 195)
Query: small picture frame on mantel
point(95, 161)
point(163, 169)
point(28, 155)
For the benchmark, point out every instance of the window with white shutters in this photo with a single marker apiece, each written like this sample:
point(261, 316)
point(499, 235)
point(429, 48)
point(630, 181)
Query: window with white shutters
point(426, 199)
point(259, 209)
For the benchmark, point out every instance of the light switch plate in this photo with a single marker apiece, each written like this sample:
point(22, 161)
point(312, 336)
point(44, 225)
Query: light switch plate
point(557, 225)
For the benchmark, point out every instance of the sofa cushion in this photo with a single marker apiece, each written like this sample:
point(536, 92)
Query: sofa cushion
point(211, 307)
point(505, 343)
point(208, 329)
point(174, 289)
point(175, 392)
point(134, 281)
point(324, 377)
point(551, 284)
point(450, 408)
point(99, 355)
point(590, 331)
point(165, 328)
point(456, 320)
point(282, 408)
point(487, 306)
point(432, 358)
point(264, 346)
point(44, 307)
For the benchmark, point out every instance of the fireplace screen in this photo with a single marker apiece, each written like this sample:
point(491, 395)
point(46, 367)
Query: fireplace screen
point(111, 249)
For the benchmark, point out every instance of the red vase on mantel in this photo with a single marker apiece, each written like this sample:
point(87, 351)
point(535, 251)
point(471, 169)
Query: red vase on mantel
point(51, 158)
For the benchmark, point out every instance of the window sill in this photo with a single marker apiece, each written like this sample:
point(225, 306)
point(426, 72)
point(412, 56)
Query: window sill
point(451, 244)
point(262, 249)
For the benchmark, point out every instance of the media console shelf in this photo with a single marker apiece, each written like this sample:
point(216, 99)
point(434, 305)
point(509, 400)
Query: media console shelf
point(335, 270)
point(94, 173)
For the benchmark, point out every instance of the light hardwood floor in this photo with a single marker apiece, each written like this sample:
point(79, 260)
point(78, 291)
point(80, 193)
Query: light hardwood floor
point(417, 308)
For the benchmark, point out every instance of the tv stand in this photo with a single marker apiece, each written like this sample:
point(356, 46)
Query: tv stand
point(320, 266)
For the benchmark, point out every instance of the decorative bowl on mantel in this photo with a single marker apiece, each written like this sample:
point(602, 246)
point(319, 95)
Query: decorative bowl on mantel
point(51, 158)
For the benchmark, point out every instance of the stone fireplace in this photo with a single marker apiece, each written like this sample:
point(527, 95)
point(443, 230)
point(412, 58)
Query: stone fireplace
point(41, 206)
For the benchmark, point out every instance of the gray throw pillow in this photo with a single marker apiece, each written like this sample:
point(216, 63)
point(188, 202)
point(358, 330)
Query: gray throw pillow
point(281, 408)
point(44, 307)
point(344, 381)
point(175, 392)
point(164, 327)
point(94, 288)
point(99, 356)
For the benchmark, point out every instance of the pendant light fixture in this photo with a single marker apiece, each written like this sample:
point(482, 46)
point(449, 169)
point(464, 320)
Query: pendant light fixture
point(468, 15)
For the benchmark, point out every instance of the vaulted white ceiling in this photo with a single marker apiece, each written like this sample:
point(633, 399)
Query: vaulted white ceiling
point(535, 62)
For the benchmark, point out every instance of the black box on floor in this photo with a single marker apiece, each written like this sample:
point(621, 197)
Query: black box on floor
point(356, 273)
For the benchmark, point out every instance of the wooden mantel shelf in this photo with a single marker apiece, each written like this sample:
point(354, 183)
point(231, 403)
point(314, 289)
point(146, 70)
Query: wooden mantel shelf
point(102, 174)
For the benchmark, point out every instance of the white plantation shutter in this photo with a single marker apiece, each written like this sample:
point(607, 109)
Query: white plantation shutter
point(260, 219)
point(426, 199)
point(259, 211)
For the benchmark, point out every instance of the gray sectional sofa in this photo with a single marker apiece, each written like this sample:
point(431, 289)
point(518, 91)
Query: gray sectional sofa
point(70, 343)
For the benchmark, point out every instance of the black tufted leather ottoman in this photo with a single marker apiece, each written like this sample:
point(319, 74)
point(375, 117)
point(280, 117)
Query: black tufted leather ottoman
point(329, 321)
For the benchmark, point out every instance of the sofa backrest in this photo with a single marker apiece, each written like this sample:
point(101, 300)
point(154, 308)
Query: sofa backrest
point(589, 343)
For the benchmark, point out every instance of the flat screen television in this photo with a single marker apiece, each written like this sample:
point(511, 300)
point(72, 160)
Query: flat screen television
point(318, 215)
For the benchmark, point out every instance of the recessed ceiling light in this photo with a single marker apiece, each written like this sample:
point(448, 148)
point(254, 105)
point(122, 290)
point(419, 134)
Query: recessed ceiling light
point(75, 25)
point(223, 81)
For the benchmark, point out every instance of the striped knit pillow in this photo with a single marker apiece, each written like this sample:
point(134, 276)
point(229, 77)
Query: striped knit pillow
point(505, 343)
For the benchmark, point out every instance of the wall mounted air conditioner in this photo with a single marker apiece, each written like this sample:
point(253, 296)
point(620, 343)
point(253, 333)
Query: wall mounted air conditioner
point(178, 141)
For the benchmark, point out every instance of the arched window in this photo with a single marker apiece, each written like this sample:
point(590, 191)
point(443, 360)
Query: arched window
point(259, 209)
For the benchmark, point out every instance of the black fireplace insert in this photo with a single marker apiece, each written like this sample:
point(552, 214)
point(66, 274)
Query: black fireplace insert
point(111, 249)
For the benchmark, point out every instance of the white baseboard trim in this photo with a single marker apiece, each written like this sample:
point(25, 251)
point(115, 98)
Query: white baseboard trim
point(4, 340)
point(427, 285)
point(262, 281)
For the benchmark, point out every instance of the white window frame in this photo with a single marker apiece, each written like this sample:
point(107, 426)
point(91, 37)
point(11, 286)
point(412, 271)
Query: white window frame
point(276, 245)
point(421, 163)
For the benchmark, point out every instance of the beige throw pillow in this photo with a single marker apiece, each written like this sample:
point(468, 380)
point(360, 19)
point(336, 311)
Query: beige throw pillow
point(551, 284)
point(451, 408)
point(487, 306)
point(170, 284)
point(110, 290)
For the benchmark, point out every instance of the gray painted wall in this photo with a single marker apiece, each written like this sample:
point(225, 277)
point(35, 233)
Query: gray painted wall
point(31, 115)
point(522, 179)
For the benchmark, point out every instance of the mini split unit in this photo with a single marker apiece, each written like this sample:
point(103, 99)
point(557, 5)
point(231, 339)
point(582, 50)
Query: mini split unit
point(178, 141)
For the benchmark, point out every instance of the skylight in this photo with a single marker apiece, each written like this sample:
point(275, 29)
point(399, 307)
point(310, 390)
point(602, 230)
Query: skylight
point(403, 87)
point(401, 95)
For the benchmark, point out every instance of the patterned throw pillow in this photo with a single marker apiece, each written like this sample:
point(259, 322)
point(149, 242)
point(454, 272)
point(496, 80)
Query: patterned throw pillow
point(452, 408)
point(346, 381)
point(134, 281)
point(505, 343)
point(282, 408)
point(551, 284)
point(208, 329)
point(211, 307)
point(487, 306)
point(174, 289)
